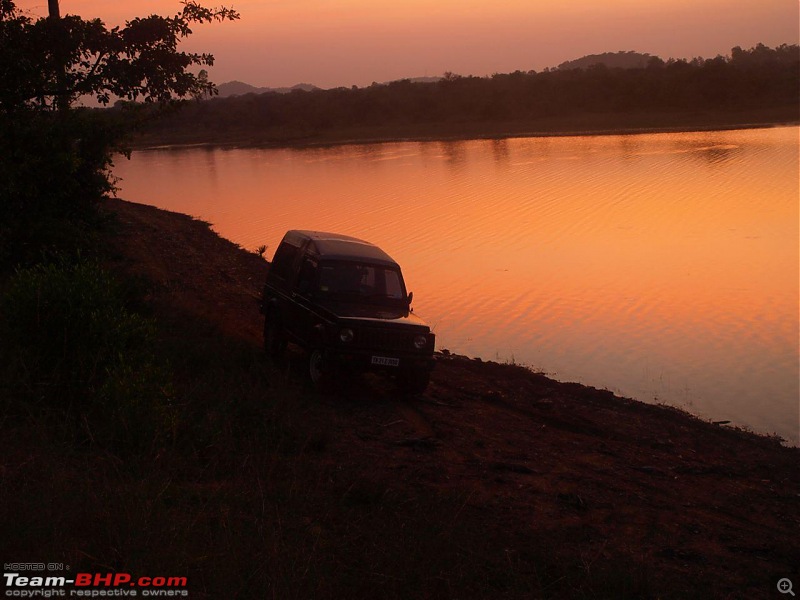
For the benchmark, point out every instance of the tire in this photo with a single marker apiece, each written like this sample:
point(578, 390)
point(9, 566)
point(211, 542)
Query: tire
point(318, 371)
point(414, 382)
point(274, 340)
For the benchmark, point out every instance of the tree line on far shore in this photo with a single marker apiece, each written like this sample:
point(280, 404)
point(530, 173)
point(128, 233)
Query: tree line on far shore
point(747, 80)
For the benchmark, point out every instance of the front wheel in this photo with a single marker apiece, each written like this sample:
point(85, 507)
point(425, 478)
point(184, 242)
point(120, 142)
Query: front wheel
point(414, 382)
point(318, 370)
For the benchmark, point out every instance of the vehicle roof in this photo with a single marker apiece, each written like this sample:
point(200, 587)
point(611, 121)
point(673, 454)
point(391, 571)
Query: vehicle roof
point(335, 246)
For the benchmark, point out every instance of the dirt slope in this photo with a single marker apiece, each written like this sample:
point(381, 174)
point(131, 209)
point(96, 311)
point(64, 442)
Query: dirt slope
point(590, 474)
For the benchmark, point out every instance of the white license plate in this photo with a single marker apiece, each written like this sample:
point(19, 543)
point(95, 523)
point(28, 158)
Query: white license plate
point(385, 361)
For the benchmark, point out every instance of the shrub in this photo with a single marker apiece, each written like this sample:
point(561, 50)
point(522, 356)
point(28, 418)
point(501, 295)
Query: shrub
point(55, 169)
point(70, 348)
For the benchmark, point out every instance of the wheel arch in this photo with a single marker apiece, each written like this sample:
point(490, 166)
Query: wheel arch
point(318, 336)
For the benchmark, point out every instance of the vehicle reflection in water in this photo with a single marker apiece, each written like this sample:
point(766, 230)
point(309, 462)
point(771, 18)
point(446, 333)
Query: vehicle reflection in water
point(660, 266)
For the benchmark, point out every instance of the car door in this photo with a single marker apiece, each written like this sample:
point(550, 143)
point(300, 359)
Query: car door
point(304, 315)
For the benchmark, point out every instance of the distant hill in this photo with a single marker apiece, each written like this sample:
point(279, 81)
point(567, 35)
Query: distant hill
point(613, 60)
point(239, 88)
point(417, 80)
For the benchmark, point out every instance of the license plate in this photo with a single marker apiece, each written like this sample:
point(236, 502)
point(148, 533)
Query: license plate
point(385, 361)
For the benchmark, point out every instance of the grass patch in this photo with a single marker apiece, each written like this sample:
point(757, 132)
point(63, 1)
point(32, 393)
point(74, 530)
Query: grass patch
point(74, 355)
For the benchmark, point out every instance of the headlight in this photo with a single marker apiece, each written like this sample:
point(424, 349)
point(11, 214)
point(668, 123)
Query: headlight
point(420, 341)
point(346, 335)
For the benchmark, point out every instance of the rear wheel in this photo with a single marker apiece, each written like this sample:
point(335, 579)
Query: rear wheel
point(274, 340)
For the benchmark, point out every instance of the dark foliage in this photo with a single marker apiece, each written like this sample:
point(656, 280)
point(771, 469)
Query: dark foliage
point(55, 168)
point(50, 63)
point(53, 163)
point(73, 353)
point(56, 161)
point(612, 60)
point(750, 79)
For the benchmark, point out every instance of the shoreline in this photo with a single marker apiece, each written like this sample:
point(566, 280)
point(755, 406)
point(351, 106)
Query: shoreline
point(763, 427)
point(449, 132)
point(207, 238)
point(497, 482)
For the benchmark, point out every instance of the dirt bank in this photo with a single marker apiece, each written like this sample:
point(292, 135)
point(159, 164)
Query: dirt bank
point(580, 472)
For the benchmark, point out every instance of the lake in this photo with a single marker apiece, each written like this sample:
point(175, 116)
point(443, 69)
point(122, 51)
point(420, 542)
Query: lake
point(663, 267)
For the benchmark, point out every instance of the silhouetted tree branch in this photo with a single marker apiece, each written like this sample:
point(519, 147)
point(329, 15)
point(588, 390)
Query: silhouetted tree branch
point(49, 63)
point(56, 158)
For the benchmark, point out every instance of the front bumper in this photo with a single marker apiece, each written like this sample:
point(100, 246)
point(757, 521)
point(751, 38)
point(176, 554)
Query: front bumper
point(378, 360)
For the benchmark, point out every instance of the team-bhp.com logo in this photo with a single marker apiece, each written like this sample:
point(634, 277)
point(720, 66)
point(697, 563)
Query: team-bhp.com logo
point(93, 585)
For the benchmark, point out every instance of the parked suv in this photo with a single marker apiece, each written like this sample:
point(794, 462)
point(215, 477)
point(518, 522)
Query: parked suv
point(344, 301)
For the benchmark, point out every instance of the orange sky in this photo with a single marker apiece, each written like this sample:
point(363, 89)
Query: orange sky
point(354, 42)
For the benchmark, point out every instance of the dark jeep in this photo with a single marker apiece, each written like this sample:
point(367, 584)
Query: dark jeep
point(344, 301)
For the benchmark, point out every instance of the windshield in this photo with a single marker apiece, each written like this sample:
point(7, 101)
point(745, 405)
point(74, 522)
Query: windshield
point(360, 282)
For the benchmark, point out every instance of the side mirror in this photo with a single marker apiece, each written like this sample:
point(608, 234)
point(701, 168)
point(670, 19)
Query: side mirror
point(410, 298)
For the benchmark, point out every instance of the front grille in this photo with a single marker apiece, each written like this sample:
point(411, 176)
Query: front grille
point(385, 339)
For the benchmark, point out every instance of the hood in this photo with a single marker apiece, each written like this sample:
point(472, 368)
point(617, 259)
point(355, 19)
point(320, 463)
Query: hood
point(379, 314)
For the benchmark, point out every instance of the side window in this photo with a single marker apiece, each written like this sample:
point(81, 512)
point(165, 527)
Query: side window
point(307, 279)
point(283, 260)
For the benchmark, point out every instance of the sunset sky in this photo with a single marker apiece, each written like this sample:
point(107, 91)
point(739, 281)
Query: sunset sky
point(333, 43)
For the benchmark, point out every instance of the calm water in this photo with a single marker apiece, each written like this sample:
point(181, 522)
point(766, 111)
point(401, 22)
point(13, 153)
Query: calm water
point(663, 267)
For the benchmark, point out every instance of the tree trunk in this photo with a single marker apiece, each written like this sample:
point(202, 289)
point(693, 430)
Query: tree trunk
point(61, 101)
